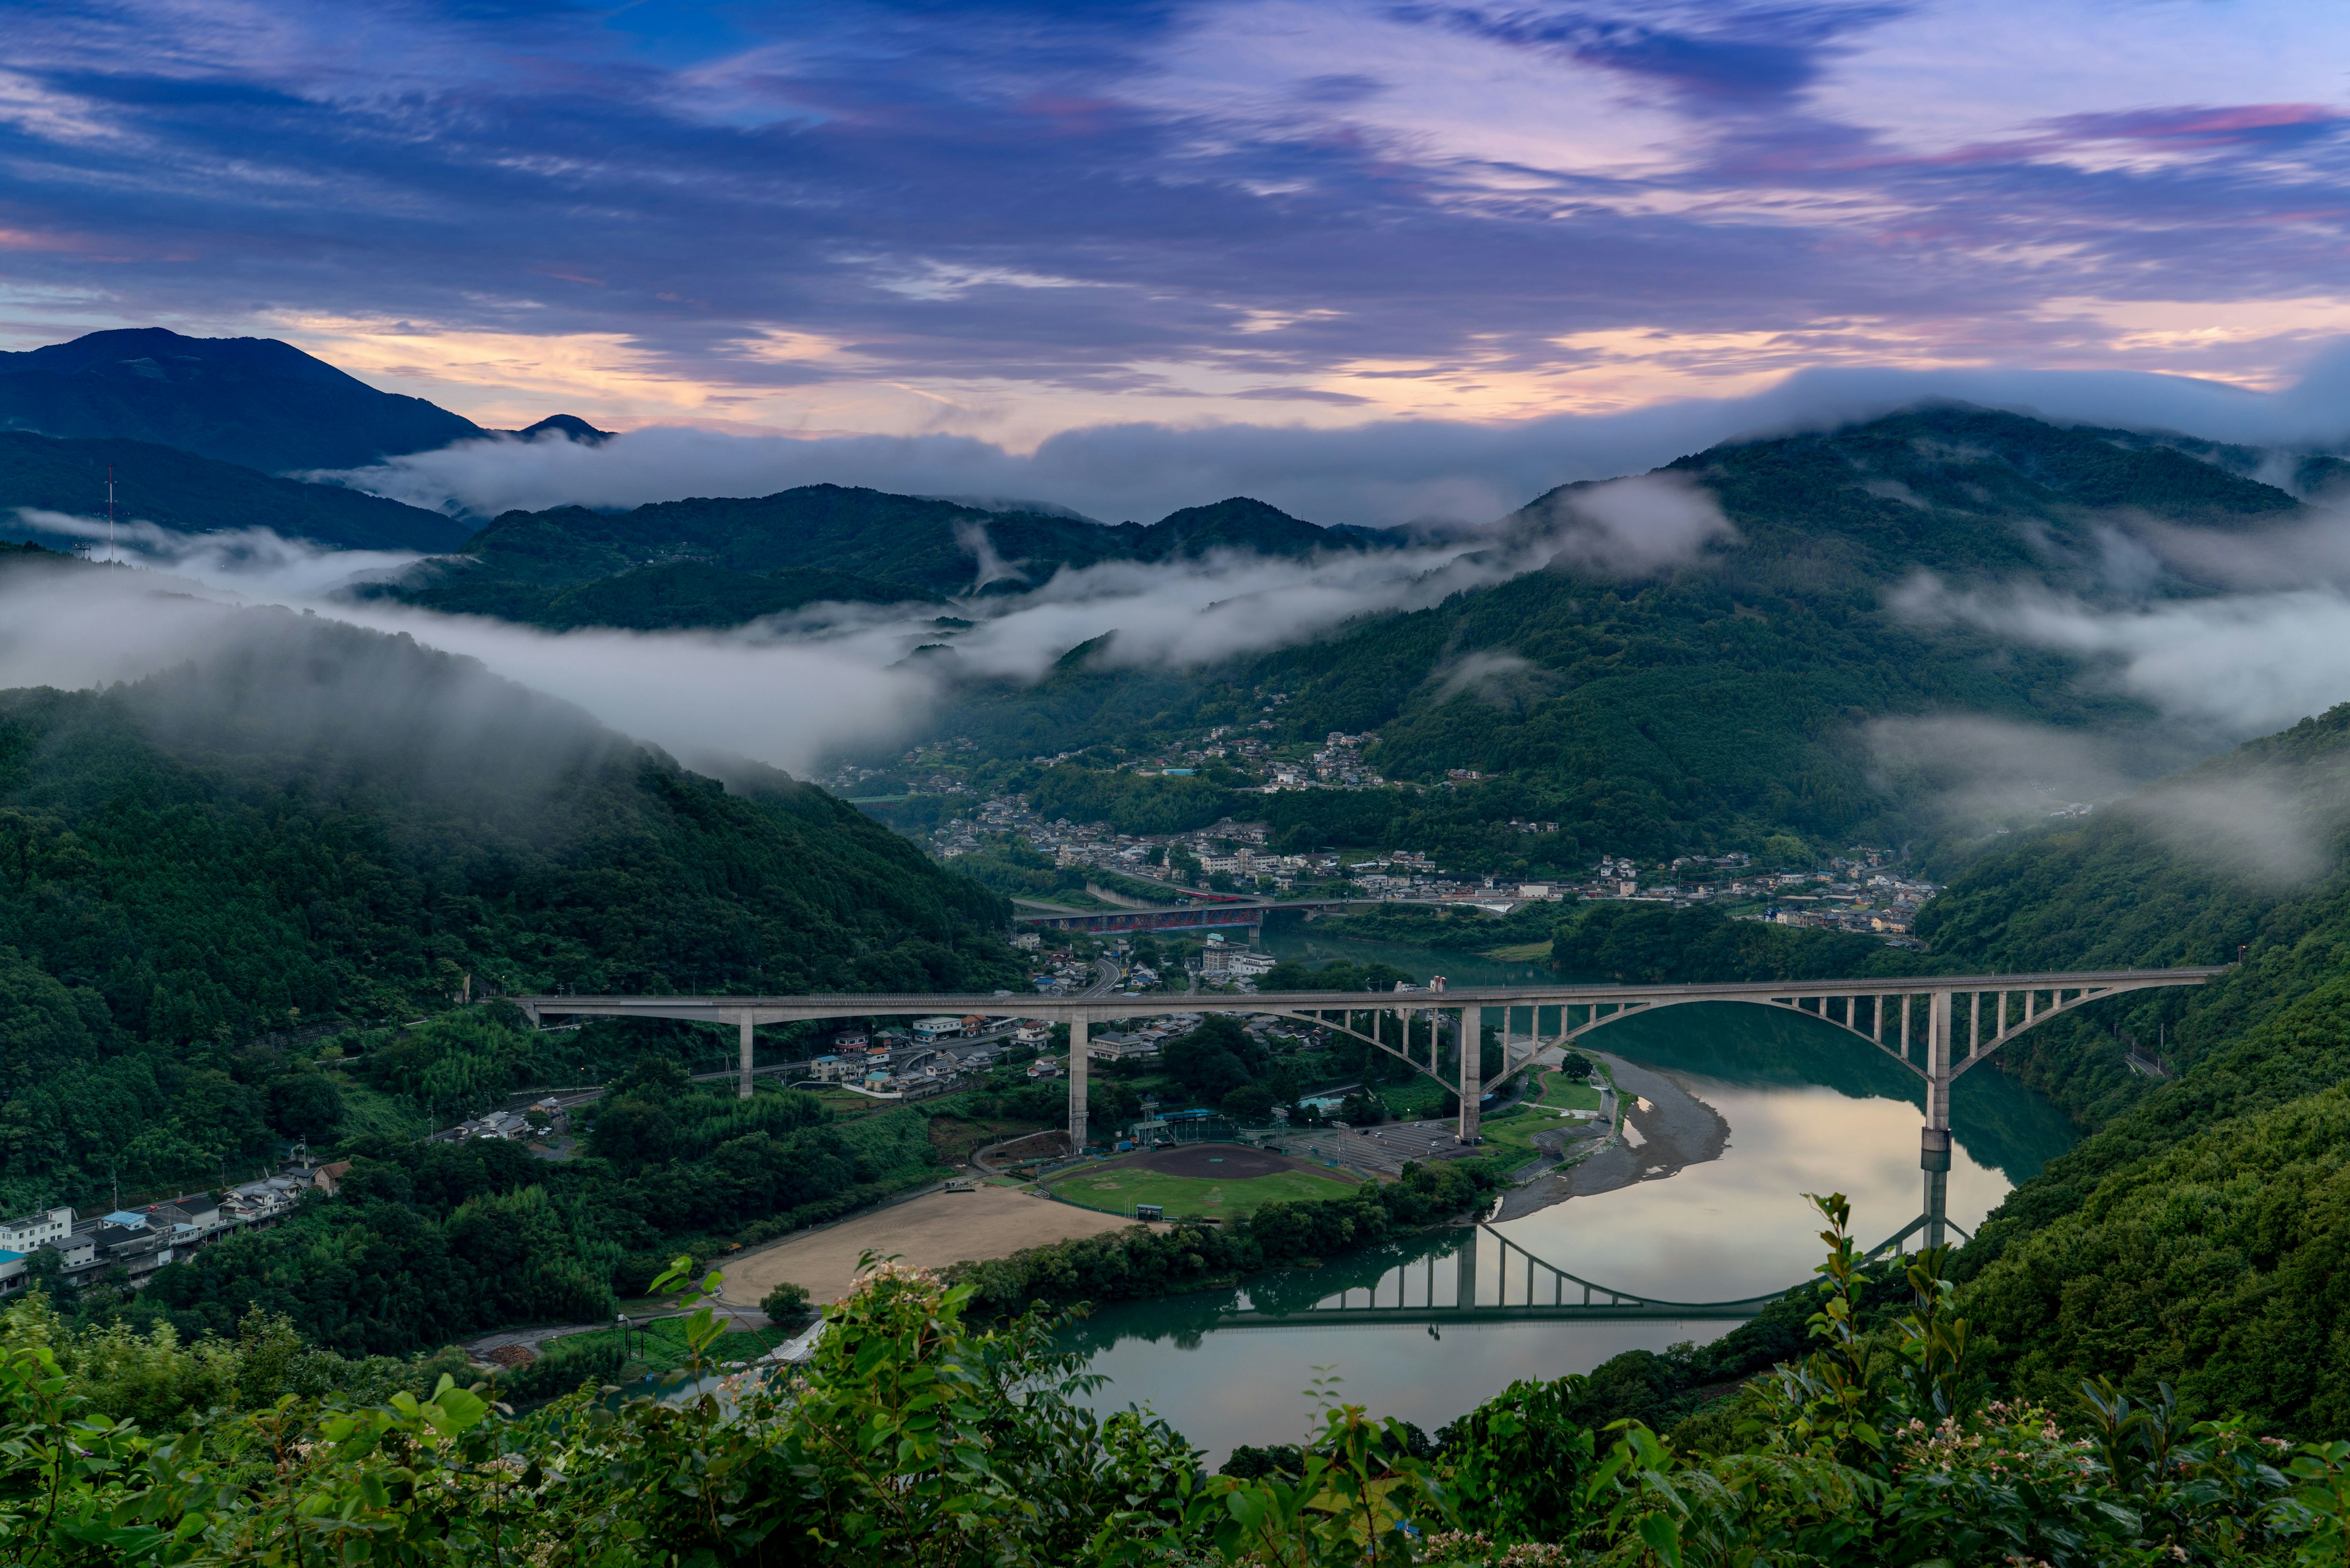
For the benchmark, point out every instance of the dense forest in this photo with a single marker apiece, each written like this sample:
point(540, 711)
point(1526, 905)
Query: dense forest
point(2195, 1237)
point(310, 824)
point(723, 562)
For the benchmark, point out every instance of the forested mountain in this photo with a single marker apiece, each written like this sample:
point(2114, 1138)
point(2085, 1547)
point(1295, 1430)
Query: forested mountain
point(190, 494)
point(572, 566)
point(1703, 704)
point(2197, 1236)
point(306, 821)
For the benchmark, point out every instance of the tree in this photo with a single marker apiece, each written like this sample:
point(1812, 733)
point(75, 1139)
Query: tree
point(308, 1104)
point(788, 1305)
point(1251, 1105)
point(1215, 1058)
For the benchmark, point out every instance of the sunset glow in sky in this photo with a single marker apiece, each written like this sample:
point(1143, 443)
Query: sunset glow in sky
point(1008, 219)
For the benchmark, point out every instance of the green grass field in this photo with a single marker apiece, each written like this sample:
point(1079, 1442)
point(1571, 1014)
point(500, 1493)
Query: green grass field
point(1118, 1190)
point(1562, 1093)
point(1514, 1129)
point(1521, 953)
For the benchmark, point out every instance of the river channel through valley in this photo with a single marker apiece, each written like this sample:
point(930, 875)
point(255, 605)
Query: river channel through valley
point(1810, 1108)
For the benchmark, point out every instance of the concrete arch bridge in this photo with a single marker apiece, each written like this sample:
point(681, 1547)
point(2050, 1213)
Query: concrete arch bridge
point(1939, 1027)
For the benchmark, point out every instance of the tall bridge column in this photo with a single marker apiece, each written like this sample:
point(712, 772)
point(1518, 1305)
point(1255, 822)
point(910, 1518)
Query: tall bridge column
point(1077, 1025)
point(1473, 1067)
point(1934, 1139)
point(743, 1085)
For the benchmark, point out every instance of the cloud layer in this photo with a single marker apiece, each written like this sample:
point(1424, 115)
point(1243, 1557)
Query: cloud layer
point(792, 690)
point(1378, 474)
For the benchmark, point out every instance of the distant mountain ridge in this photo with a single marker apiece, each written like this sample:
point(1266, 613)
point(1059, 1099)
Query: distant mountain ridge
point(251, 400)
point(1698, 705)
point(190, 494)
point(538, 567)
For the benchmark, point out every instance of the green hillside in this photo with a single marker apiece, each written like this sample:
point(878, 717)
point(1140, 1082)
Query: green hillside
point(190, 494)
point(313, 822)
point(1702, 707)
point(905, 546)
point(667, 596)
point(2196, 1235)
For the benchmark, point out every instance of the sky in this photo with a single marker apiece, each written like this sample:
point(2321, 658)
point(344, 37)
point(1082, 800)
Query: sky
point(1009, 221)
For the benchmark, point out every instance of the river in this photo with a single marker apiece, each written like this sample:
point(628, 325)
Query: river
point(1810, 1109)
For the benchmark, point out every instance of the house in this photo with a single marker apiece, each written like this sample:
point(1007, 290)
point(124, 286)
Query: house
point(265, 1201)
point(76, 1256)
point(849, 1040)
point(832, 1069)
point(31, 1230)
point(13, 1277)
point(136, 1248)
point(191, 1219)
point(329, 1178)
point(1113, 1047)
point(1044, 1067)
point(1032, 1033)
point(931, 1031)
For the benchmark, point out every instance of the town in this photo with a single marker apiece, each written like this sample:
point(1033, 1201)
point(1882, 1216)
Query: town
point(1855, 891)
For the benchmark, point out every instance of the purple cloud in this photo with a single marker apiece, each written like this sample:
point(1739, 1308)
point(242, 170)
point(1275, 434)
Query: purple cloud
point(1005, 219)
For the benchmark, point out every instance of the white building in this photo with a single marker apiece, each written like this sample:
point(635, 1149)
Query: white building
point(931, 1031)
point(22, 1235)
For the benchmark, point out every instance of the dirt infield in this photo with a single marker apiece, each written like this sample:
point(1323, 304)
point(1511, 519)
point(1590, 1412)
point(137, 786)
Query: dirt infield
point(932, 1231)
point(1231, 1161)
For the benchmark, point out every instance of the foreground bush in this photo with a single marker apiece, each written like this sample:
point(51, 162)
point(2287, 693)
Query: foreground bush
point(911, 1438)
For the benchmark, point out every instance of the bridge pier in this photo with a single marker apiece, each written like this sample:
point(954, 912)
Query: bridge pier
point(1473, 1067)
point(1465, 1271)
point(1934, 1137)
point(1078, 1038)
point(742, 1084)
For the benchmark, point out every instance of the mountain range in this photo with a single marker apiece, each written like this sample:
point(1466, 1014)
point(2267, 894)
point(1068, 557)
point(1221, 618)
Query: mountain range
point(1707, 700)
point(716, 563)
point(198, 431)
point(309, 820)
point(1704, 703)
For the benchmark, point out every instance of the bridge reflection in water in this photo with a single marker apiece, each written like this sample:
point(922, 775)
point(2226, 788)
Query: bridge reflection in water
point(1484, 1278)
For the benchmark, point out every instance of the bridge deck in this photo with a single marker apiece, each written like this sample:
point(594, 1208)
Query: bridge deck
point(897, 1003)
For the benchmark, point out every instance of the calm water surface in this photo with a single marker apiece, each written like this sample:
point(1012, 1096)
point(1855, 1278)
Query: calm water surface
point(1811, 1110)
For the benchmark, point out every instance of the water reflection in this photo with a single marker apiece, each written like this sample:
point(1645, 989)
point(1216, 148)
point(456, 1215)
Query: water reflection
point(1810, 1108)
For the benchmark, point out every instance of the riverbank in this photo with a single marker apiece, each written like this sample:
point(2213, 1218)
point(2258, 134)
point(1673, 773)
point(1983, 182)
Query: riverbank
point(1665, 1130)
point(930, 1231)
